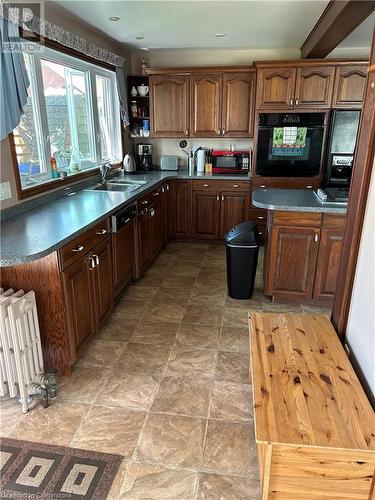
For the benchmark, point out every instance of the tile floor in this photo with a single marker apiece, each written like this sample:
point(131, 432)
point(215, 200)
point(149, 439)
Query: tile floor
point(165, 384)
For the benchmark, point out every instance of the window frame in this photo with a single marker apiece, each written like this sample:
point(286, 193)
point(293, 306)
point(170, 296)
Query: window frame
point(81, 62)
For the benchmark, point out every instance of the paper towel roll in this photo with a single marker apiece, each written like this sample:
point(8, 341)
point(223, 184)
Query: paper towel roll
point(201, 155)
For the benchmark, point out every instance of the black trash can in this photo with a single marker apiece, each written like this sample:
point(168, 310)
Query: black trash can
point(242, 243)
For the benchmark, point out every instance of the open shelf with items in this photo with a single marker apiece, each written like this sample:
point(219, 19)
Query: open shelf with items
point(139, 106)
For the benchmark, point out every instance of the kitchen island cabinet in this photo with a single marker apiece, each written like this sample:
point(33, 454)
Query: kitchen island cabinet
point(302, 255)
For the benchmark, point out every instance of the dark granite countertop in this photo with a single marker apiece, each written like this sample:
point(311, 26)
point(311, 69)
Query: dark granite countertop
point(39, 231)
point(293, 200)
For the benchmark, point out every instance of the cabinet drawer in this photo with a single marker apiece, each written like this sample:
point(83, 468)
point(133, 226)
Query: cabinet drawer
point(75, 249)
point(217, 185)
point(334, 221)
point(150, 197)
point(304, 219)
point(258, 215)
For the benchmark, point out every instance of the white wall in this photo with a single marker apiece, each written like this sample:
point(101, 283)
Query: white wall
point(360, 333)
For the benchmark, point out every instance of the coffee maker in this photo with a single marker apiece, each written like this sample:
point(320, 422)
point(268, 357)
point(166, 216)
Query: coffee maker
point(144, 156)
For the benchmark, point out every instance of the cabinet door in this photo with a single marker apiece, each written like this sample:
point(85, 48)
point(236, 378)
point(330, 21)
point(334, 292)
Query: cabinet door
point(292, 261)
point(349, 86)
point(234, 209)
point(123, 249)
point(144, 240)
point(169, 96)
point(314, 87)
point(206, 214)
point(238, 104)
point(328, 263)
point(102, 255)
point(156, 228)
point(181, 208)
point(275, 88)
point(206, 97)
point(79, 289)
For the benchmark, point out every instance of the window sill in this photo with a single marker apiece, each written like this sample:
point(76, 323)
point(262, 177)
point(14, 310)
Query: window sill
point(24, 193)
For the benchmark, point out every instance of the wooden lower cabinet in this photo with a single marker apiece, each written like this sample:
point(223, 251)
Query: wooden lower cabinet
point(303, 255)
point(89, 293)
point(292, 261)
point(206, 208)
point(80, 294)
point(180, 199)
point(328, 263)
point(234, 209)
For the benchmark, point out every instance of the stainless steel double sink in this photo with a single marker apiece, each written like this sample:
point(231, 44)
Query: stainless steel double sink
point(115, 184)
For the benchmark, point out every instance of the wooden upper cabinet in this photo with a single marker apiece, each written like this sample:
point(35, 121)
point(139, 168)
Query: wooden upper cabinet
point(169, 105)
point(314, 86)
point(275, 87)
point(206, 95)
point(349, 86)
point(238, 104)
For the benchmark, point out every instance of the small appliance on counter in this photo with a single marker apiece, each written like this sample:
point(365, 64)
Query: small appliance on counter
point(341, 147)
point(144, 157)
point(129, 164)
point(170, 162)
point(230, 162)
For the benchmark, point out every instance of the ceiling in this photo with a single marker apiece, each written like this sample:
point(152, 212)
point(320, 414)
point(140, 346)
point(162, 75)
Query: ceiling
point(177, 24)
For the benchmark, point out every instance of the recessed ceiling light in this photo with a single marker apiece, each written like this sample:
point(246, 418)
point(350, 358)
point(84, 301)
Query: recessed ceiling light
point(114, 18)
point(220, 35)
point(139, 37)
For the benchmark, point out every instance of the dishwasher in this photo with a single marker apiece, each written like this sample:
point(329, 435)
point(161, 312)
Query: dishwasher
point(123, 247)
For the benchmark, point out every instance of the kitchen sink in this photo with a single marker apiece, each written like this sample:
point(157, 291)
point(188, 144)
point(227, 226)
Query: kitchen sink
point(120, 185)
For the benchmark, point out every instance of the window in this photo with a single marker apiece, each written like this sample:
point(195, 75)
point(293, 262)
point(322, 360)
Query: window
point(72, 114)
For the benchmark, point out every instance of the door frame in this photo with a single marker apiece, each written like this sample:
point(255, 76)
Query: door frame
point(362, 170)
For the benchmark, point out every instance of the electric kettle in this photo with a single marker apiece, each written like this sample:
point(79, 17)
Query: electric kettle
point(129, 164)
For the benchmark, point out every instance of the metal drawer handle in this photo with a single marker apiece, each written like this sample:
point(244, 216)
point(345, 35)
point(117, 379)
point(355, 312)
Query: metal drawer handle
point(309, 187)
point(205, 185)
point(263, 186)
point(101, 231)
point(92, 264)
point(235, 185)
point(260, 217)
point(96, 259)
point(297, 101)
point(217, 198)
point(157, 194)
point(145, 202)
point(78, 249)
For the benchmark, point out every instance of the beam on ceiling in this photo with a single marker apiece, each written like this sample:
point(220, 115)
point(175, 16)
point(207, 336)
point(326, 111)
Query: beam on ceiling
point(338, 20)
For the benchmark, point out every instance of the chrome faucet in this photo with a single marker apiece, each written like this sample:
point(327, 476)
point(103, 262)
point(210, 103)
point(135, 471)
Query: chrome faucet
point(104, 169)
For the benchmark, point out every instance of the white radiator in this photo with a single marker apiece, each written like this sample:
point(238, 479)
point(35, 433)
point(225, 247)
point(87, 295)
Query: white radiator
point(21, 360)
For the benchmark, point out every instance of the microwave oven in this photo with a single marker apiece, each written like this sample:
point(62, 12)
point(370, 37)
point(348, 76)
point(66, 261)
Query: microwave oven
point(230, 162)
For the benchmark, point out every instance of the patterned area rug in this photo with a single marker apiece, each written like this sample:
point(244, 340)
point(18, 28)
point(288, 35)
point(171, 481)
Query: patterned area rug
point(35, 470)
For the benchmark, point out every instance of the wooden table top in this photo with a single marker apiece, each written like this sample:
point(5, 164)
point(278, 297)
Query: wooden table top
point(305, 390)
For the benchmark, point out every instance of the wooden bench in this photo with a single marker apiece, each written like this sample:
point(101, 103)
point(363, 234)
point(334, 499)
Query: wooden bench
point(314, 426)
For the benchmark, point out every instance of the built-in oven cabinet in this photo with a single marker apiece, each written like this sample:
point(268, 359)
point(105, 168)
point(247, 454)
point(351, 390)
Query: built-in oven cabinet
point(295, 87)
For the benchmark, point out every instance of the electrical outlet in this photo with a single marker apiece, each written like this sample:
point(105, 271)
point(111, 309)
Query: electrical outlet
point(5, 191)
